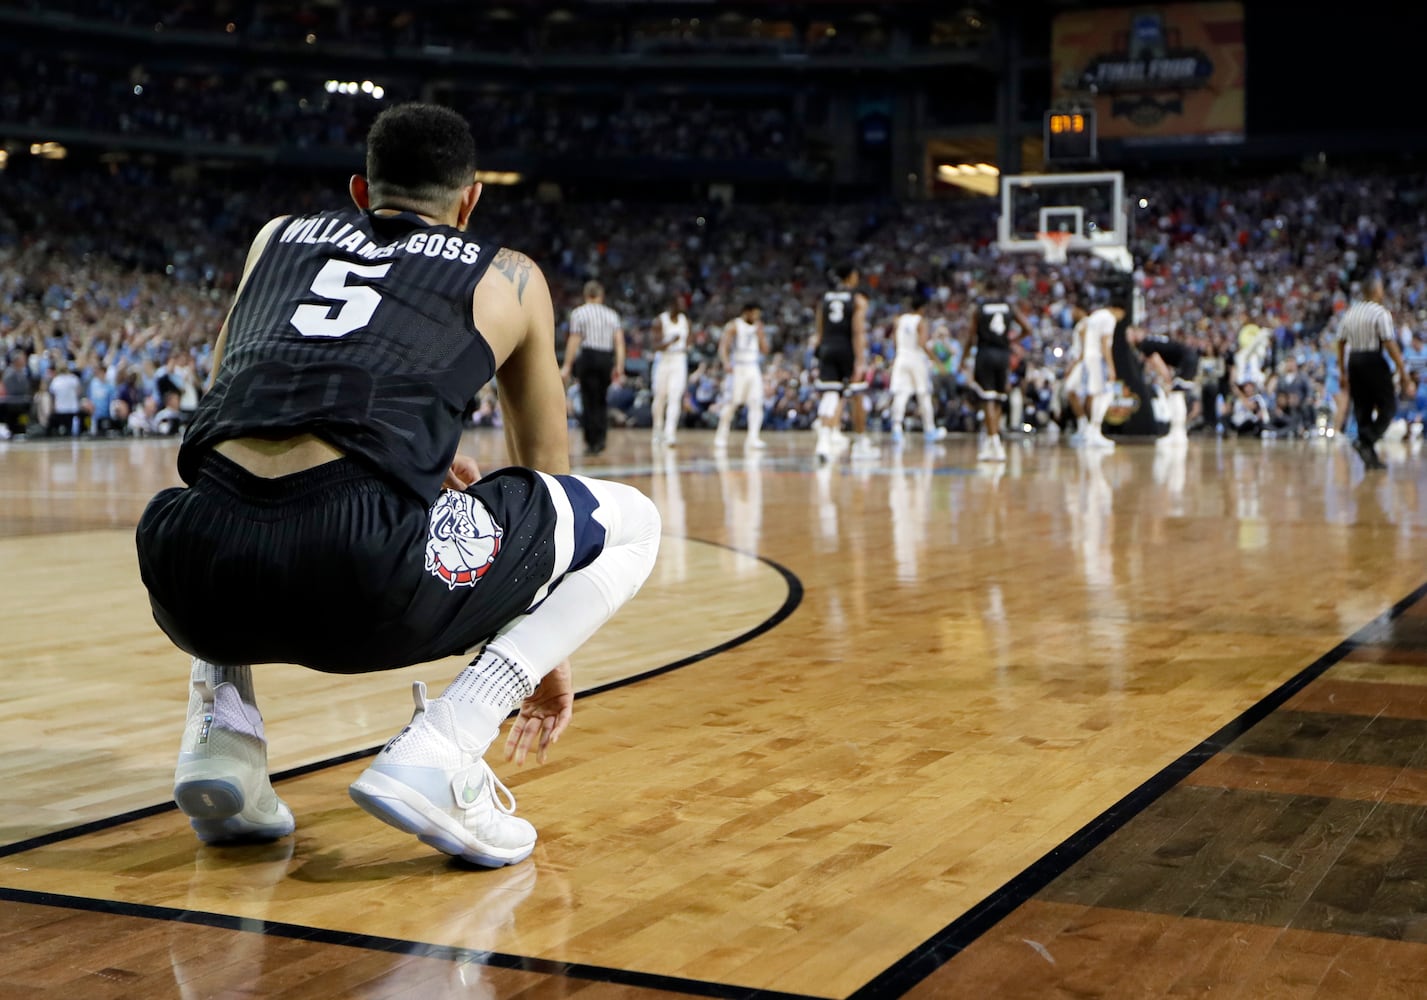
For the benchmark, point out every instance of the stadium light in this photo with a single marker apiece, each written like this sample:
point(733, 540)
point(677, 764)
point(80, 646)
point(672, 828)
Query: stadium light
point(4, 158)
point(982, 178)
point(499, 177)
point(378, 92)
point(330, 86)
point(48, 150)
point(367, 86)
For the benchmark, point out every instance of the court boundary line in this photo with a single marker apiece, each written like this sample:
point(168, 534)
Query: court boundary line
point(791, 602)
point(943, 946)
point(398, 946)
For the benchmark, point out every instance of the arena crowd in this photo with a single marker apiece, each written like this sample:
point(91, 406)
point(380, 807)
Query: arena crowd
point(115, 284)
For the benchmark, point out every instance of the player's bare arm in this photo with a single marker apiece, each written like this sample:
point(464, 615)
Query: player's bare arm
point(762, 338)
point(516, 316)
point(725, 343)
point(1404, 377)
point(859, 335)
point(617, 373)
point(817, 329)
point(260, 243)
point(532, 397)
point(516, 267)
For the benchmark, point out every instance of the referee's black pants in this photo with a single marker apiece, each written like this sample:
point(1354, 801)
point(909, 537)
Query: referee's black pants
point(1372, 394)
point(593, 369)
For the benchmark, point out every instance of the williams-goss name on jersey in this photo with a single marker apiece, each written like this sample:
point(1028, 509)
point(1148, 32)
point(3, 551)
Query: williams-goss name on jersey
point(345, 236)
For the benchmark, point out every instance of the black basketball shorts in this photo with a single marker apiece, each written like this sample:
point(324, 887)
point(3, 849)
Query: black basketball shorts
point(992, 372)
point(337, 569)
point(835, 364)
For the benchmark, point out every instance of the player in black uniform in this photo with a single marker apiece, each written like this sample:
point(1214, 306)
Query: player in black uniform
point(989, 326)
point(840, 345)
point(1174, 365)
point(329, 521)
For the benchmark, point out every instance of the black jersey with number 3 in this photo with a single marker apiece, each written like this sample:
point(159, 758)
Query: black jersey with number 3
point(993, 325)
point(837, 319)
point(355, 328)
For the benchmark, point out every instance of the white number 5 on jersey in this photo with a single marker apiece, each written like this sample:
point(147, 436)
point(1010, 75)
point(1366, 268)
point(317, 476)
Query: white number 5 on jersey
point(359, 302)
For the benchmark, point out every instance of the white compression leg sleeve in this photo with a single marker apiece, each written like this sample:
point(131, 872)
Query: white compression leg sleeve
point(928, 414)
point(1178, 414)
point(531, 646)
point(1099, 406)
point(899, 407)
point(754, 403)
point(725, 419)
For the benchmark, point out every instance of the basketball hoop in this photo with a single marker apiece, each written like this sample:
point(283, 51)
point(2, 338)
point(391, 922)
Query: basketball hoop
point(1055, 246)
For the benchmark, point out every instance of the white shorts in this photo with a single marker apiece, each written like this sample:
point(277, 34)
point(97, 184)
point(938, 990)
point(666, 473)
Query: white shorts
point(746, 386)
point(671, 375)
point(913, 379)
point(1087, 378)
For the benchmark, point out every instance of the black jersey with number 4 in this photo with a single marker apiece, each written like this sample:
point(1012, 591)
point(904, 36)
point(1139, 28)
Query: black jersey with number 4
point(357, 329)
point(993, 325)
point(837, 319)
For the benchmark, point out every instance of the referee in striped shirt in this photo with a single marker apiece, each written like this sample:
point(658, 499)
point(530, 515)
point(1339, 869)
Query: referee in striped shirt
point(594, 353)
point(1364, 332)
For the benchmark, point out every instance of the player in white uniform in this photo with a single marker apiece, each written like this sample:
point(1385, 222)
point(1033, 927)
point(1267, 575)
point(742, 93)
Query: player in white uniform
point(911, 372)
point(739, 348)
point(1070, 387)
point(1094, 374)
point(671, 372)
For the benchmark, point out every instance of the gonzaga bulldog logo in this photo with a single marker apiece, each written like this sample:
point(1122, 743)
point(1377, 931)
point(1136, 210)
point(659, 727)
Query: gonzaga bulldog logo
point(463, 540)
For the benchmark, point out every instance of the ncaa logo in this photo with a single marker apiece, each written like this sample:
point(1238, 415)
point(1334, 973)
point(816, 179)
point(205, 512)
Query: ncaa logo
point(463, 540)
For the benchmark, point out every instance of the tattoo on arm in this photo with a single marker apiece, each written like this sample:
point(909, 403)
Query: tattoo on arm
point(516, 267)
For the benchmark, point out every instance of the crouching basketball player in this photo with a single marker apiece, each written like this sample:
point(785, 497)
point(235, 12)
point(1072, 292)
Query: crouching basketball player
point(328, 520)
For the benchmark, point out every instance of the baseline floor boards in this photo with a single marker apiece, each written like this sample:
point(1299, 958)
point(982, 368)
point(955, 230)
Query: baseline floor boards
point(981, 663)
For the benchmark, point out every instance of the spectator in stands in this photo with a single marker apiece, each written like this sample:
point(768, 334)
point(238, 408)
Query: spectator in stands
point(65, 393)
point(1293, 410)
point(18, 395)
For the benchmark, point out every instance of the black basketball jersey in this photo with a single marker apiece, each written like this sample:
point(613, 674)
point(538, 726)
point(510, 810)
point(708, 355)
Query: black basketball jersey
point(355, 328)
point(993, 325)
point(837, 319)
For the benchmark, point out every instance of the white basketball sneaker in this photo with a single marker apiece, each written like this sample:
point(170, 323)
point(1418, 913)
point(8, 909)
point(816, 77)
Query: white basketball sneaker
point(221, 782)
point(426, 783)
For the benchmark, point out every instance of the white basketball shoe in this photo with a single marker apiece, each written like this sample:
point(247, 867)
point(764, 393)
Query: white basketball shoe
point(221, 782)
point(426, 783)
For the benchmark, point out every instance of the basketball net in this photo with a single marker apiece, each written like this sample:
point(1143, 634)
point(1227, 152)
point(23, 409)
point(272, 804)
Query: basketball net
point(1055, 246)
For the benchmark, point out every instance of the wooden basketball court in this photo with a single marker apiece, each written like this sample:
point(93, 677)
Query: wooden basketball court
point(1147, 724)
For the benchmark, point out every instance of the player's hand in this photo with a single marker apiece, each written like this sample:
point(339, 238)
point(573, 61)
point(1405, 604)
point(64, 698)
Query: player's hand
point(543, 716)
point(463, 472)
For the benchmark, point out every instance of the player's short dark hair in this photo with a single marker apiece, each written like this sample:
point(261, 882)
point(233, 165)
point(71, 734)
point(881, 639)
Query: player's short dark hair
point(419, 153)
point(750, 306)
point(845, 270)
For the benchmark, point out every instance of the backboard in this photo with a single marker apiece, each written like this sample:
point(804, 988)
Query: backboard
point(1088, 206)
